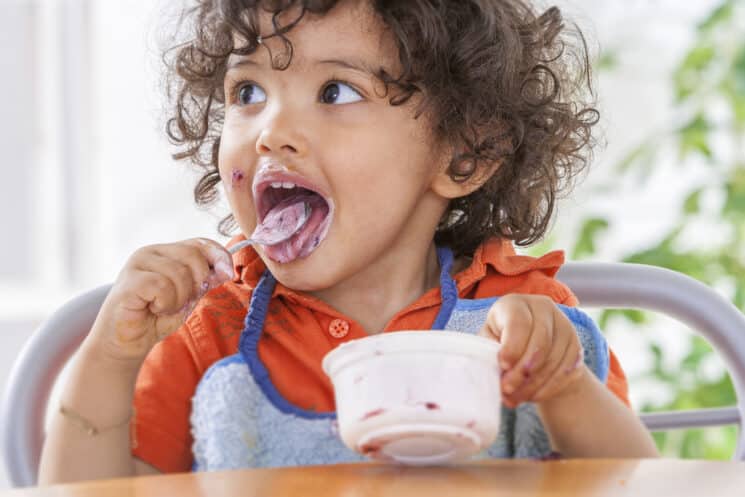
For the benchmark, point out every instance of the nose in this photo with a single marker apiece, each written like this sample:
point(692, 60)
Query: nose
point(283, 134)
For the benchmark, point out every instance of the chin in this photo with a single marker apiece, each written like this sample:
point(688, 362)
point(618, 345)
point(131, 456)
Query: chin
point(308, 274)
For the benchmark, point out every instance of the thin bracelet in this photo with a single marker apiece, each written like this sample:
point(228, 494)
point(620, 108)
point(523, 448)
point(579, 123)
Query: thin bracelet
point(86, 425)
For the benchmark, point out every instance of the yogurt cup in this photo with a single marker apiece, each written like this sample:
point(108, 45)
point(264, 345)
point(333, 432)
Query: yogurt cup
point(417, 397)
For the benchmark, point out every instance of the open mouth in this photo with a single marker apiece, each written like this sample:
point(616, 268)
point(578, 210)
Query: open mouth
point(292, 219)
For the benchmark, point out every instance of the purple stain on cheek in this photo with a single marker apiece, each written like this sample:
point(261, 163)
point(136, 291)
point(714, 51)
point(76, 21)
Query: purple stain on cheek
point(237, 178)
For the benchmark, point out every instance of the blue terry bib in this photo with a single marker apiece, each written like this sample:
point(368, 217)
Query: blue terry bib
point(240, 420)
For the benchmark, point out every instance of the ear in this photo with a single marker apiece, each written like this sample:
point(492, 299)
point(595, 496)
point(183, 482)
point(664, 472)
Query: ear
point(445, 186)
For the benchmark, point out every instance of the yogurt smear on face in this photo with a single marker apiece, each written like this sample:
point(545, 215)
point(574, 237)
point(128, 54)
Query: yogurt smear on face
point(287, 205)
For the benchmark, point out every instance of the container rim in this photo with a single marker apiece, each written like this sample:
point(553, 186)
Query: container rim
point(455, 343)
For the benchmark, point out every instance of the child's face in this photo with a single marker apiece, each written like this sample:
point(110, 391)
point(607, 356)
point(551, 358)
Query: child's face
point(368, 168)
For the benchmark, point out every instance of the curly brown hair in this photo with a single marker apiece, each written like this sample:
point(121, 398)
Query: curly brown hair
point(502, 82)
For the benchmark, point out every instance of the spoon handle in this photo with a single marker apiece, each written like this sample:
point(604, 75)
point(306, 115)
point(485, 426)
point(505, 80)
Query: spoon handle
point(235, 248)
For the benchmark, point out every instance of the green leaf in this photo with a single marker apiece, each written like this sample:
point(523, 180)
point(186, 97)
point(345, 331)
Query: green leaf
point(734, 204)
point(660, 439)
point(692, 204)
point(737, 102)
point(738, 70)
point(733, 86)
point(607, 61)
point(688, 76)
point(694, 137)
point(739, 298)
point(641, 157)
point(700, 349)
point(693, 264)
point(541, 247)
point(720, 443)
point(585, 244)
point(693, 443)
point(698, 58)
point(715, 394)
point(658, 369)
point(718, 16)
point(634, 316)
point(717, 442)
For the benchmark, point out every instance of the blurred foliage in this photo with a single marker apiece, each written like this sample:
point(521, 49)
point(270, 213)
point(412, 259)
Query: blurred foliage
point(709, 98)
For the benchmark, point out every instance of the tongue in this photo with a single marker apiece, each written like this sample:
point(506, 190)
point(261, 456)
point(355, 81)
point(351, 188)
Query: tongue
point(282, 222)
point(307, 236)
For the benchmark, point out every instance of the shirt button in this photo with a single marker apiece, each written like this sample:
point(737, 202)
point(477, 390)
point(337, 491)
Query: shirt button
point(338, 328)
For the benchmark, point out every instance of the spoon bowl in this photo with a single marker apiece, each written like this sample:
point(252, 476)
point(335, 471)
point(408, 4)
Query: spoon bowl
point(287, 229)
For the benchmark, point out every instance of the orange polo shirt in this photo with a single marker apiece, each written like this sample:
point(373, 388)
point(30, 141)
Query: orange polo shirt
point(298, 332)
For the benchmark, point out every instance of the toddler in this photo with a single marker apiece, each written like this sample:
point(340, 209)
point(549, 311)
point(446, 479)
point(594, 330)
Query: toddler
point(383, 157)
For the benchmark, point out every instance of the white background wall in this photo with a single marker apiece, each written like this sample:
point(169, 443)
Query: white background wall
point(86, 176)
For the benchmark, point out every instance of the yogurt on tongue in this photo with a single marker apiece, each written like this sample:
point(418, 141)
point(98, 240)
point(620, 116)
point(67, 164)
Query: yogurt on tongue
point(282, 222)
point(293, 228)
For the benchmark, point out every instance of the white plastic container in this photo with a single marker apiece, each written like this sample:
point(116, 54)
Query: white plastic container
point(417, 397)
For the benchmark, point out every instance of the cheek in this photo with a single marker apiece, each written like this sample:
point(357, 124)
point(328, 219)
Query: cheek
point(232, 163)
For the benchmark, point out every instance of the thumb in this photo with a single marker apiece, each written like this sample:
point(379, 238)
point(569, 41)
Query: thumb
point(509, 322)
point(494, 324)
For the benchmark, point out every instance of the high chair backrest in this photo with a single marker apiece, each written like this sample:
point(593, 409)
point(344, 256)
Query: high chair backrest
point(24, 404)
point(610, 285)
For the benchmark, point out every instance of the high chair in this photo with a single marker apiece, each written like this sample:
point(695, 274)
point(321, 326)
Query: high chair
point(607, 285)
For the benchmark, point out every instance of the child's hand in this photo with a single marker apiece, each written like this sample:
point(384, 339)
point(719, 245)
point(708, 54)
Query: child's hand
point(541, 356)
point(153, 294)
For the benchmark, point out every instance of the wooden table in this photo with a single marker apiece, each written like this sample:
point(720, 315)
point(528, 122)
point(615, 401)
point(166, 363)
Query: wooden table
point(575, 478)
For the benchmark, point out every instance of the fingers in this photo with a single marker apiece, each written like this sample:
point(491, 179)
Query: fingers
point(171, 277)
point(540, 354)
point(524, 326)
point(550, 378)
point(566, 373)
point(509, 321)
point(188, 281)
point(539, 347)
point(192, 263)
point(156, 292)
point(217, 256)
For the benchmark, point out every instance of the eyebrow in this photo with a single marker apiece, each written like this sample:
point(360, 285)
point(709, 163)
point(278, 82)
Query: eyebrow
point(353, 64)
point(233, 63)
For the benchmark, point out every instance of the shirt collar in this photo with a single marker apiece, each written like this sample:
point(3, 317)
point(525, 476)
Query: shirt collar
point(499, 255)
point(495, 254)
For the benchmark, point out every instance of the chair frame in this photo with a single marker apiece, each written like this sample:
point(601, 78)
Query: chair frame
point(633, 286)
point(639, 286)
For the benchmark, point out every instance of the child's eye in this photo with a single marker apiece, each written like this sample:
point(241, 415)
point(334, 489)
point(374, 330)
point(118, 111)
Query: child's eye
point(339, 93)
point(249, 93)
